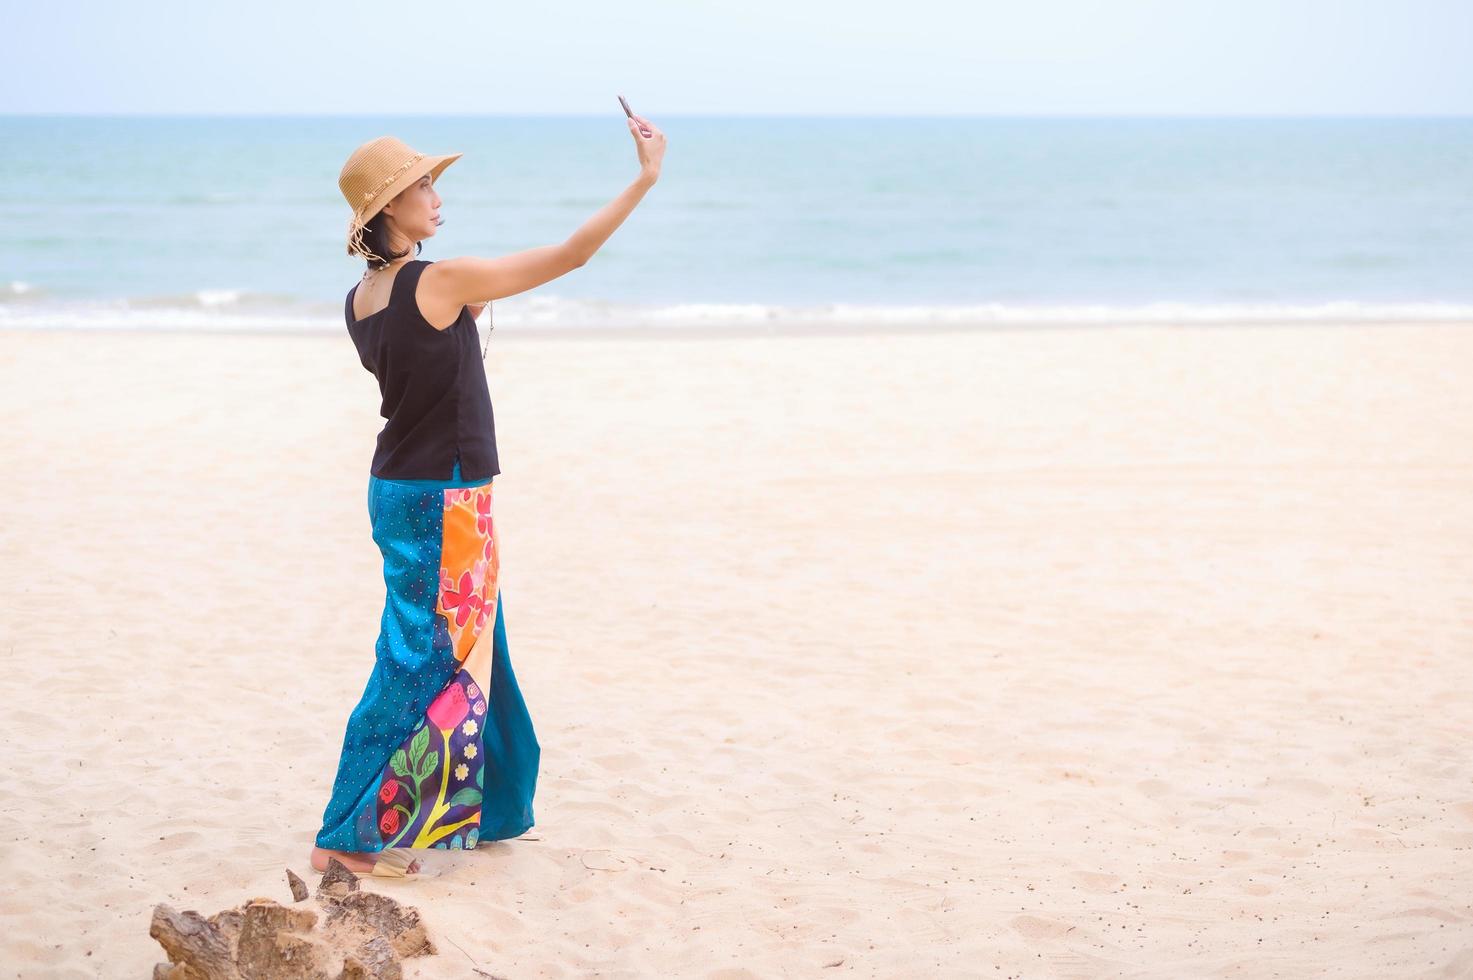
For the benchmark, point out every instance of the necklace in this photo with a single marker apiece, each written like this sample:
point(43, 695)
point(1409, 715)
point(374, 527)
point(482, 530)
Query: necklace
point(382, 268)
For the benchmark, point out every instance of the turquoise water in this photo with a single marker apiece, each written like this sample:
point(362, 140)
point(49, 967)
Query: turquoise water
point(237, 223)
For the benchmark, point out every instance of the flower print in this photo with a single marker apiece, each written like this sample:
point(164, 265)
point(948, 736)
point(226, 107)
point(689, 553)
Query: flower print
point(470, 751)
point(488, 587)
point(474, 604)
point(389, 822)
point(462, 771)
point(470, 836)
point(472, 690)
point(488, 548)
point(470, 727)
point(478, 577)
point(479, 707)
point(483, 513)
point(461, 597)
point(387, 790)
point(446, 710)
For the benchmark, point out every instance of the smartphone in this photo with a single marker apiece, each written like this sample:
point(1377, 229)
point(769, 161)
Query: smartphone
point(628, 112)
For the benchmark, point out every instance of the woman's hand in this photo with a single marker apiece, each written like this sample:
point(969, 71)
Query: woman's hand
point(651, 148)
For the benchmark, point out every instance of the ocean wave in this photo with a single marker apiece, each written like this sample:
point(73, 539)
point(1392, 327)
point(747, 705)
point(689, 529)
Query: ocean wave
point(231, 310)
point(221, 298)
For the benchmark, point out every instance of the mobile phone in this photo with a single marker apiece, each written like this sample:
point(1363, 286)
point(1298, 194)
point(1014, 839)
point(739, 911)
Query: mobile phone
point(628, 112)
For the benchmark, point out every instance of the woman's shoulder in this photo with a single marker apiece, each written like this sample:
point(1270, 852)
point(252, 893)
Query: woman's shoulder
point(434, 295)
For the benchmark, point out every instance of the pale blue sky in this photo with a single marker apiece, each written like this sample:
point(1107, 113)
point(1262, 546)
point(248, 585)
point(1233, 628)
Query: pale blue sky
point(855, 57)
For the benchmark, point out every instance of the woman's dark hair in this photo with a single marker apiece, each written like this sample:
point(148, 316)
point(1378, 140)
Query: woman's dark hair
point(376, 240)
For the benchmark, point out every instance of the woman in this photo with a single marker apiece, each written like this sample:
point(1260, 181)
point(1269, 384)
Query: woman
point(439, 751)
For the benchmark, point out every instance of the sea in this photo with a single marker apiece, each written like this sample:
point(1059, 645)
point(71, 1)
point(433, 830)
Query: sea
point(237, 223)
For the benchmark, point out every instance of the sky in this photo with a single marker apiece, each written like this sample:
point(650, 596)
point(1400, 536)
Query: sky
point(754, 57)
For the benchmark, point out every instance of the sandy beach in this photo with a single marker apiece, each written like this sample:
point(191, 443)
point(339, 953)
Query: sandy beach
point(1096, 652)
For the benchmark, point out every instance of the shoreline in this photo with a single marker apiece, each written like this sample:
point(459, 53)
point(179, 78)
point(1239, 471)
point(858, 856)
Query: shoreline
point(775, 329)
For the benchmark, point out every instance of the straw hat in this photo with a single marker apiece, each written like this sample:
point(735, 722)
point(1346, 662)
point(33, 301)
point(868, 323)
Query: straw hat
point(375, 174)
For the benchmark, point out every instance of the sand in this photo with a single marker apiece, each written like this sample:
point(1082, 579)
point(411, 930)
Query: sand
point(1133, 651)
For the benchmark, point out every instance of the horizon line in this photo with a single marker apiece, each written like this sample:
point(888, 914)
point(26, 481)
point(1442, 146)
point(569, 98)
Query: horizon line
point(737, 115)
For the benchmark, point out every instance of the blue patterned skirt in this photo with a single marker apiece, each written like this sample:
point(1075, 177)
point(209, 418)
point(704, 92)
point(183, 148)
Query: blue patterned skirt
point(440, 751)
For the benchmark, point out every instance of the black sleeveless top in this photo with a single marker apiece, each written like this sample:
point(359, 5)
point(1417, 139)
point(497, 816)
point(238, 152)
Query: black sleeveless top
point(433, 384)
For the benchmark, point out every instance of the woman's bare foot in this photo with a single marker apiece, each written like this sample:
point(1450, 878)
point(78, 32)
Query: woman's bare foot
point(359, 862)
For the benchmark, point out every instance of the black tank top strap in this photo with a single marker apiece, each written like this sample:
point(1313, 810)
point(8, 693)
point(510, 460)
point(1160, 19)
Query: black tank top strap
point(405, 281)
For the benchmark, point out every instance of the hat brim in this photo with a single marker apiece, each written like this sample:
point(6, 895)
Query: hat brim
point(432, 165)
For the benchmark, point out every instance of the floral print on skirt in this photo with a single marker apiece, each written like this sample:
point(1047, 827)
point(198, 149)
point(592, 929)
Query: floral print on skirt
point(439, 751)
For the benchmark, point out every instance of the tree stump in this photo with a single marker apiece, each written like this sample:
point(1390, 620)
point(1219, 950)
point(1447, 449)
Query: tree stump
point(345, 934)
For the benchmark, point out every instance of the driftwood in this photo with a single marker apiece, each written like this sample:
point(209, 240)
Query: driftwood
point(349, 935)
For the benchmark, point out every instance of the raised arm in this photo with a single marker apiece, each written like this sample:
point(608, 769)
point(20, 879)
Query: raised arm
point(471, 281)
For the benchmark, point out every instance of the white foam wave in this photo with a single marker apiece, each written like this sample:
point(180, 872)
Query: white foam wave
point(231, 310)
point(218, 297)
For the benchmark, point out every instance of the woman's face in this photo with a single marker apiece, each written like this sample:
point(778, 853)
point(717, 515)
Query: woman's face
point(416, 211)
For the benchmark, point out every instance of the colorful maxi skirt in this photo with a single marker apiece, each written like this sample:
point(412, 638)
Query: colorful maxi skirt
point(439, 751)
